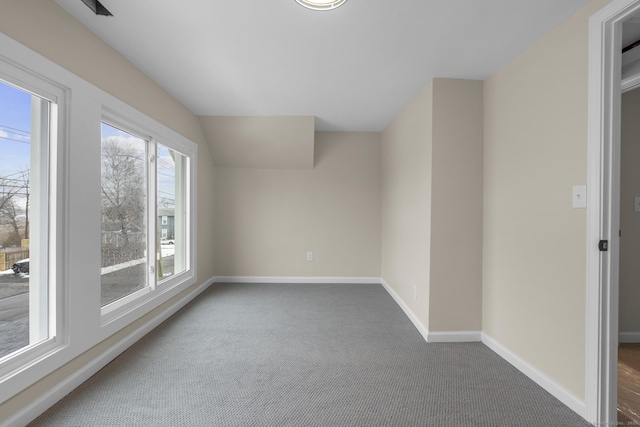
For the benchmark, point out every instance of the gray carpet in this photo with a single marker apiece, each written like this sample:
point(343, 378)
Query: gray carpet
point(304, 355)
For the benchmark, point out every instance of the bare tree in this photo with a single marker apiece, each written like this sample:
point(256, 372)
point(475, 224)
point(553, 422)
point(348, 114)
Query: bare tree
point(9, 215)
point(123, 177)
point(14, 200)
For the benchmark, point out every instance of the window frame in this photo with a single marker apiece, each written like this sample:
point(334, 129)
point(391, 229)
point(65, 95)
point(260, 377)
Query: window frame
point(181, 220)
point(139, 126)
point(117, 305)
point(51, 221)
point(74, 216)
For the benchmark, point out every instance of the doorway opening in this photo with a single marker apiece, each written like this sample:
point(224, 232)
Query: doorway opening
point(628, 377)
point(605, 312)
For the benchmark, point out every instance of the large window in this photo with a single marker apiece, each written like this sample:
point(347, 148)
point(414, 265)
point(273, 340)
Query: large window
point(26, 118)
point(97, 218)
point(144, 205)
point(124, 214)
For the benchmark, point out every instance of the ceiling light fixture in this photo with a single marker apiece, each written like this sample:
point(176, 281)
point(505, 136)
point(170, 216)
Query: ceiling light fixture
point(321, 4)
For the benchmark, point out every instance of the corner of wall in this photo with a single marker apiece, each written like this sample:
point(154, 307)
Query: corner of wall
point(456, 215)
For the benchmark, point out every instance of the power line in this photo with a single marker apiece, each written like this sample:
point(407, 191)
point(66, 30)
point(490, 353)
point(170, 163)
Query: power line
point(5, 186)
point(166, 163)
point(15, 130)
point(16, 140)
point(166, 168)
point(13, 181)
point(166, 174)
point(18, 173)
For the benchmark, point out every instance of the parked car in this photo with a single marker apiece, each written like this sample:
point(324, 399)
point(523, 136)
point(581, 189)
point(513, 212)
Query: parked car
point(167, 242)
point(21, 266)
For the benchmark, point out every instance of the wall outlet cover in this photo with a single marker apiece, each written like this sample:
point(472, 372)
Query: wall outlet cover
point(579, 200)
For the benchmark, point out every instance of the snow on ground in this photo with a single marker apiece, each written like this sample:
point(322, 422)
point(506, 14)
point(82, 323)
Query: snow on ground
point(117, 267)
point(167, 250)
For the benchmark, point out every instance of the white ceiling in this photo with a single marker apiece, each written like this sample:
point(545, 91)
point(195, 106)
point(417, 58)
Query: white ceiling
point(353, 68)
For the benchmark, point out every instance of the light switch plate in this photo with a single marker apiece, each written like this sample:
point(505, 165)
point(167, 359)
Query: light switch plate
point(579, 197)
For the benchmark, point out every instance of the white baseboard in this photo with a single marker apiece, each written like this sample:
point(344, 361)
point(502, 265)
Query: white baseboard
point(460, 336)
point(551, 386)
point(290, 279)
point(49, 398)
point(431, 337)
point(66, 386)
point(410, 314)
point(629, 337)
point(556, 390)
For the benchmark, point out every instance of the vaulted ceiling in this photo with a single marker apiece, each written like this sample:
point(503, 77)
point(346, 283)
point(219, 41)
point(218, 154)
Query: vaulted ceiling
point(352, 68)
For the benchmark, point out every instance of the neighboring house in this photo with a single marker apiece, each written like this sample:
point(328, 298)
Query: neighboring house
point(112, 233)
point(166, 223)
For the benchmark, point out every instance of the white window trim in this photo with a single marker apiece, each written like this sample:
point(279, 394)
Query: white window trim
point(181, 222)
point(127, 309)
point(78, 321)
point(50, 225)
point(120, 306)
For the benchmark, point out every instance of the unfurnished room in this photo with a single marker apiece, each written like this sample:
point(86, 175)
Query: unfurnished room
point(319, 213)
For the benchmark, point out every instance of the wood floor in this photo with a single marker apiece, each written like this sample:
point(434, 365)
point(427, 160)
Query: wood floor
point(629, 384)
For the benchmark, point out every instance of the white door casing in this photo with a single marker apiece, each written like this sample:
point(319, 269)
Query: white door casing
point(603, 208)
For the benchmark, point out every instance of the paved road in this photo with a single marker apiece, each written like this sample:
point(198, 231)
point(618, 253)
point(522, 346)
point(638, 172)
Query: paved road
point(14, 308)
point(12, 284)
point(14, 323)
point(14, 300)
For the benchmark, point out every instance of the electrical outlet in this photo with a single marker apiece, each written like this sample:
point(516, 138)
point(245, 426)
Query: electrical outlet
point(309, 256)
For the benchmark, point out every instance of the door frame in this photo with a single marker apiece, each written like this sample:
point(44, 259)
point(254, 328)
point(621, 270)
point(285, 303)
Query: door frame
point(603, 209)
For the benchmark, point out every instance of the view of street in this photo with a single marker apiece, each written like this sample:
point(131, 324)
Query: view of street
point(14, 311)
point(14, 299)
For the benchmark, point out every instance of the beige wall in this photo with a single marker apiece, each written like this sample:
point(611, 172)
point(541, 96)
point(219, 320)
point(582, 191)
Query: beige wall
point(535, 150)
point(280, 142)
point(267, 219)
point(629, 219)
point(535, 128)
point(406, 203)
point(456, 207)
point(46, 28)
point(432, 205)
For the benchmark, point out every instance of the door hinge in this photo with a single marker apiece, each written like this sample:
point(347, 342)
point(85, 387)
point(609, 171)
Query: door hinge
point(603, 245)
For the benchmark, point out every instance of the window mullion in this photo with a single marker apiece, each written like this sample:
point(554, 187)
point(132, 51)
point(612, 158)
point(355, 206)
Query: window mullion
point(152, 218)
point(38, 184)
point(180, 215)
